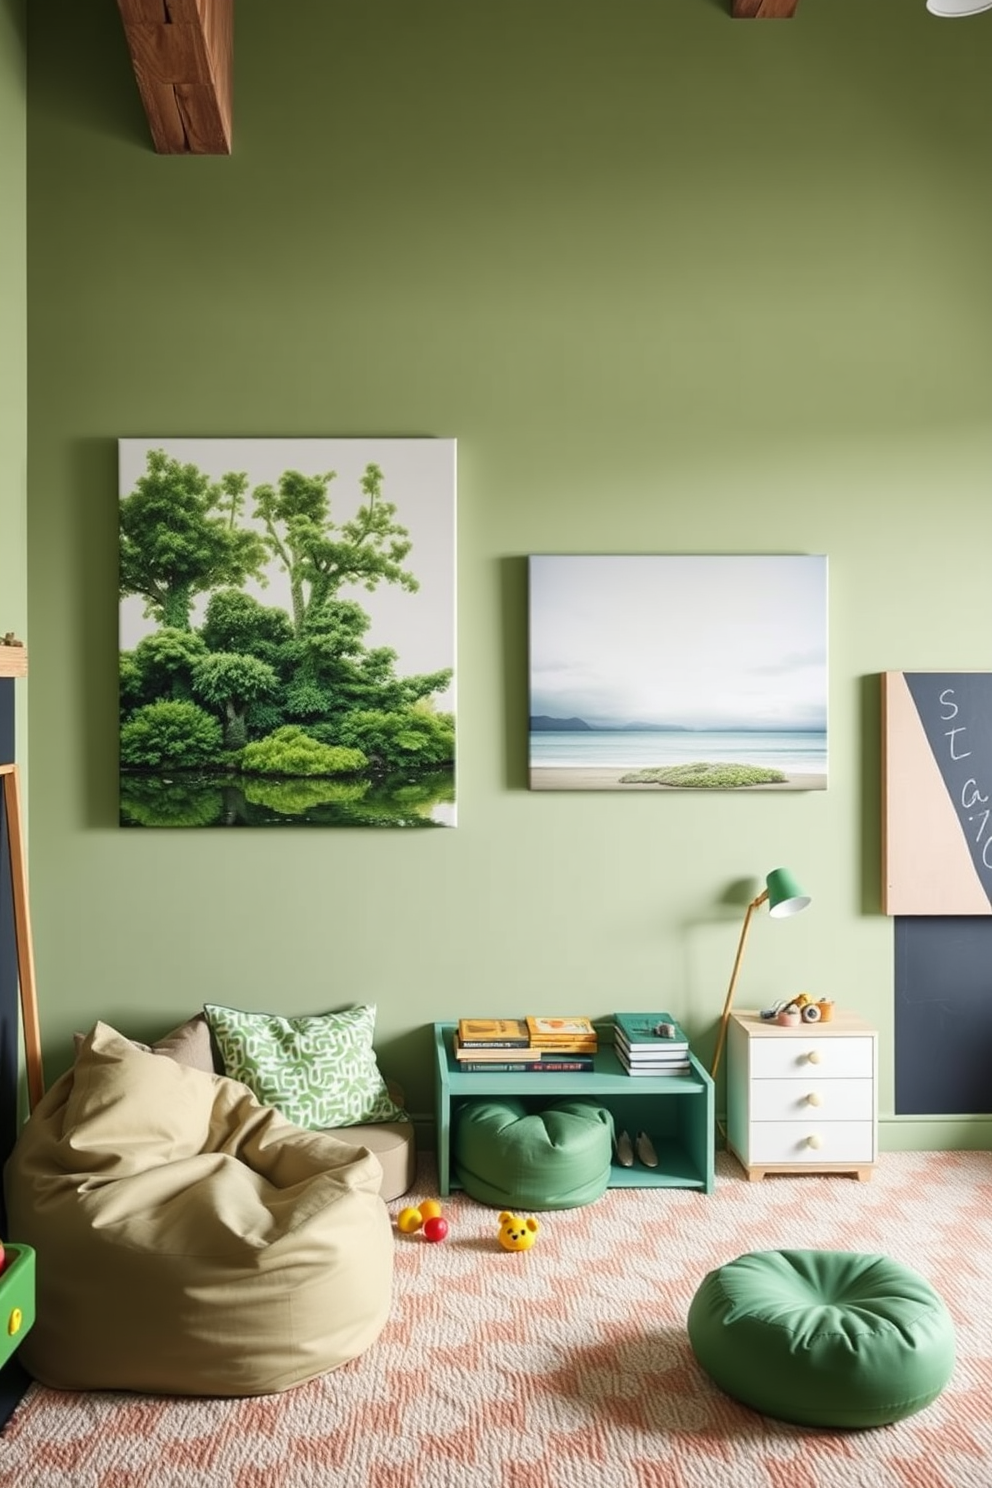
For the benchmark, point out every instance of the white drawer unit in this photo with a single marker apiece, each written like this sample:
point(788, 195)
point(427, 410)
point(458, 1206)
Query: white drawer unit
point(802, 1100)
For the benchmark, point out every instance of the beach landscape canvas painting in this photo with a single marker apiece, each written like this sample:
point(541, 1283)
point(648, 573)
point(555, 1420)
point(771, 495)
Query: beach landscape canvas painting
point(287, 632)
point(678, 672)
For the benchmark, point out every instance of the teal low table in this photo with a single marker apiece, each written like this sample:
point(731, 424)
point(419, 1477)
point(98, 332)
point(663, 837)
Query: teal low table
point(676, 1111)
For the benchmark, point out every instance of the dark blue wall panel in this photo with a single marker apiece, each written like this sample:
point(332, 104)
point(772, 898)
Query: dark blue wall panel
point(943, 1015)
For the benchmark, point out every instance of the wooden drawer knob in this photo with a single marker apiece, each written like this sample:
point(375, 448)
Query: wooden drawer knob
point(814, 1056)
point(814, 1098)
point(815, 1142)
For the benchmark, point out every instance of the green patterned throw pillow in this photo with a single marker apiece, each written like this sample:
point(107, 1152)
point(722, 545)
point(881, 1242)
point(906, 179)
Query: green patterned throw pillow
point(319, 1071)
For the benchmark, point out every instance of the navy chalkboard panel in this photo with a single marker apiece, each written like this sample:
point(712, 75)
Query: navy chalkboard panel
point(943, 1016)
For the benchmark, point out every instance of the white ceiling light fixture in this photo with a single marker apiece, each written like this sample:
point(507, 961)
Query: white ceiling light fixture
point(958, 7)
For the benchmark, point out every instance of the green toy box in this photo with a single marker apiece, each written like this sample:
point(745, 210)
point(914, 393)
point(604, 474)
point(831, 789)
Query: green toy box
point(16, 1298)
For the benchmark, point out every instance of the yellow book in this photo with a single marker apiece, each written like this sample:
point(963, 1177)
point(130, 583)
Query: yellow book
point(561, 1028)
point(493, 1033)
point(501, 1053)
point(565, 1035)
point(565, 1046)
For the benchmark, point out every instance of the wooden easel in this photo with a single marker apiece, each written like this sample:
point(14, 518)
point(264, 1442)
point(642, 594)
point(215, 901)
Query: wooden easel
point(22, 934)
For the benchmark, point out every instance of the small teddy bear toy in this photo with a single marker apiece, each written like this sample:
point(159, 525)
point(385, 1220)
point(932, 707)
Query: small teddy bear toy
point(516, 1233)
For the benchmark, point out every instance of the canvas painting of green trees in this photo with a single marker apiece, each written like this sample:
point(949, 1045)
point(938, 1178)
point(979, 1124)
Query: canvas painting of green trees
point(287, 632)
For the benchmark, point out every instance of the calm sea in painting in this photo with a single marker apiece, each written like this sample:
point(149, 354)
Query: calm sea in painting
point(648, 663)
point(792, 752)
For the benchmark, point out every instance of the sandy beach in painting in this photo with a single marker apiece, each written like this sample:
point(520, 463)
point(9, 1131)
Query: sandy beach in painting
point(605, 778)
point(656, 662)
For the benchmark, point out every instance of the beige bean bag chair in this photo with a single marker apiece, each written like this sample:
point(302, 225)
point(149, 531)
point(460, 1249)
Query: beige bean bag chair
point(189, 1240)
point(393, 1142)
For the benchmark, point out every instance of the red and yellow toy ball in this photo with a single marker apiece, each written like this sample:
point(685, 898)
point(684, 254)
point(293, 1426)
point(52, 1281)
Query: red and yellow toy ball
point(426, 1217)
point(516, 1233)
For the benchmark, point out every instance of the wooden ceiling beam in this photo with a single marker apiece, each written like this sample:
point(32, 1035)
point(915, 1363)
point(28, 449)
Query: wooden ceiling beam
point(182, 52)
point(764, 10)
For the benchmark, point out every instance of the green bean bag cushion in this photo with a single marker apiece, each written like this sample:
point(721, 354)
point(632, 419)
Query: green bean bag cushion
point(823, 1337)
point(509, 1156)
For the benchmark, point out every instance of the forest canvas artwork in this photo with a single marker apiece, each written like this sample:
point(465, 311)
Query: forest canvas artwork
point(652, 673)
point(287, 632)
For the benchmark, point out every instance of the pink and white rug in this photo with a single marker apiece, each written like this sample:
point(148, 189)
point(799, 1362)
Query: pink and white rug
point(568, 1366)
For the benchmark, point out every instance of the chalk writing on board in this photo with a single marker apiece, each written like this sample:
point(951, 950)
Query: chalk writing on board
point(972, 797)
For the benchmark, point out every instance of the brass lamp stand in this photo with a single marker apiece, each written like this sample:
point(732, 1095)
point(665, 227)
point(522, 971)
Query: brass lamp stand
point(784, 897)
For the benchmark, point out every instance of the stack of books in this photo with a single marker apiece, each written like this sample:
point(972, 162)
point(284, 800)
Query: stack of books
point(563, 1035)
point(525, 1045)
point(650, 1044)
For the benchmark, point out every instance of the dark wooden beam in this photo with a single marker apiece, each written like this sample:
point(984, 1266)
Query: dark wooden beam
point(764, 10)
point(183, 57)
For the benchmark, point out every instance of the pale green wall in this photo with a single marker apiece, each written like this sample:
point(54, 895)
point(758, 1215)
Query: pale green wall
point(13, 337)
point(675, 283)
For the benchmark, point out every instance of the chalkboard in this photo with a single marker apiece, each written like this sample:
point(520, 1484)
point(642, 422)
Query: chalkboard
point(937, 793)
point(943, 1016)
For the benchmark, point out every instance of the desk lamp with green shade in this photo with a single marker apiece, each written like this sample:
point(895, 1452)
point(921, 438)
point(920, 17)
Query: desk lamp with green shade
point(785, 898)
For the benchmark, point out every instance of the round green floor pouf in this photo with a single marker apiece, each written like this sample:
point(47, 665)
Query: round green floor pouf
point(512, 1157)
point(823, 1337)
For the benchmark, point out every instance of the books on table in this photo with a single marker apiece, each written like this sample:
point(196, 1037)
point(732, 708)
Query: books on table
point(650, 1056)
point(650, 1031)
point(676, 1064)
point(470, 1054)
point(490, 1053)
point(560, 1028)
point(673, 1061)
point(543, 1064)
point(525, 1045)
point(562, 1033)
point(493, 1033)
point(650, 1044)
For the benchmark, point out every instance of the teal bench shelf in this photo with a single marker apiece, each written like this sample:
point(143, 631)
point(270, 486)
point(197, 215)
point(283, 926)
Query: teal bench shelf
point(676, 1111)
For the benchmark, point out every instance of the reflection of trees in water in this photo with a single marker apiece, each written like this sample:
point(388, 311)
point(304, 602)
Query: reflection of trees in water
point(432, 791)
point(235, 810)
point(294, 797)
point(174, 801)
point(148, 801)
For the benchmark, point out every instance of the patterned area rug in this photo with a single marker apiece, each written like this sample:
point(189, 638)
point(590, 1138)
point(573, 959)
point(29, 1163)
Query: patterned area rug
point(567, 1366)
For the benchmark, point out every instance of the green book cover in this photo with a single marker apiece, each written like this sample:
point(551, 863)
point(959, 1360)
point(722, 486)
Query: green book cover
point(648, 1031)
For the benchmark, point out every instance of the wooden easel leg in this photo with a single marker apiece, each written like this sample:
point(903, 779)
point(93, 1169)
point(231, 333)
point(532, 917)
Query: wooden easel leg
point(22, 935)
